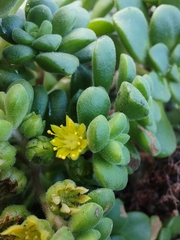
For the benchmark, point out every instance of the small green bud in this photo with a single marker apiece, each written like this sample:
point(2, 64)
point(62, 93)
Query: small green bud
point(14, 213)
point(7, 156)
point(32, 125)
point(39, 150)
point(64, 198)
point(98, 133)
point(11, 215)
point(14, 181)
point(86, 218)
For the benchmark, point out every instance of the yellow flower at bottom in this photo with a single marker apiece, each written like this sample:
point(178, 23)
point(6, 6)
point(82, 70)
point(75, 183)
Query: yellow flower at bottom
point(70, 140)
point(31, 229)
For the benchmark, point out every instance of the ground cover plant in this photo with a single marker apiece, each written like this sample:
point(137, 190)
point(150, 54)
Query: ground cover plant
point(89, 119)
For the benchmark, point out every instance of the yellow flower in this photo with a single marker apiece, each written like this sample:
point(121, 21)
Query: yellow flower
point(70, 140)
point(31, 229)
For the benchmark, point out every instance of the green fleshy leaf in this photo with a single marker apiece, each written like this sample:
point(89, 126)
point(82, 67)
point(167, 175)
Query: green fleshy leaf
point(104, 197)
point(103, 62)
point(98, 129)
point(173, 225)
point(18, 54)
point(83, 18)
point(45, 28)
point(142, 85)
point(131, 102)
point(101, 8)
point(6, 130)
point(165, 135)
point(174, 88)
point(132, 28)
point(175, 55)
point(161, 90)
point(63, 233)
point(93, 101)
point(145, 139)
point(7, 6)
point(86, 218)
point(57, 62)
point(120, 4)
point(164, 234)
point(126, 71)
point(109, 175)
point(64, 20)
point(173, 74)
point(119, 217)
point(101, 26)
point(165, 26)
point(22, 37)
point(104, 226)
point(47, 42)
point(77, 39)
point(159, 57)
point(139, 224)
point(169, 2)
point(38, 14)
point(16, 104)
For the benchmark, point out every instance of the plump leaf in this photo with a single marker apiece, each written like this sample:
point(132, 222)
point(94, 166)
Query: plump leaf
point(139, 224)
point(6, 130)
point(64, 20)
point(160, 87)
point(18, 54)
point(165, 135)
point(132, 28)
point(6, 6)
point(103, 62)
point(159, 58)
point(98, 129)
point(77, 39)
point(93, 101)
point(120, 4)
point(16, 104)
point(174, 88)
point(165, 26)
point(101, 8)
point(47, 42)
point(126, 71)
point(131, 102)
point(101, 26)
point(39, 13)
point(86, 218)
point(22, 37)
point(58, 62)
point(109, 175)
